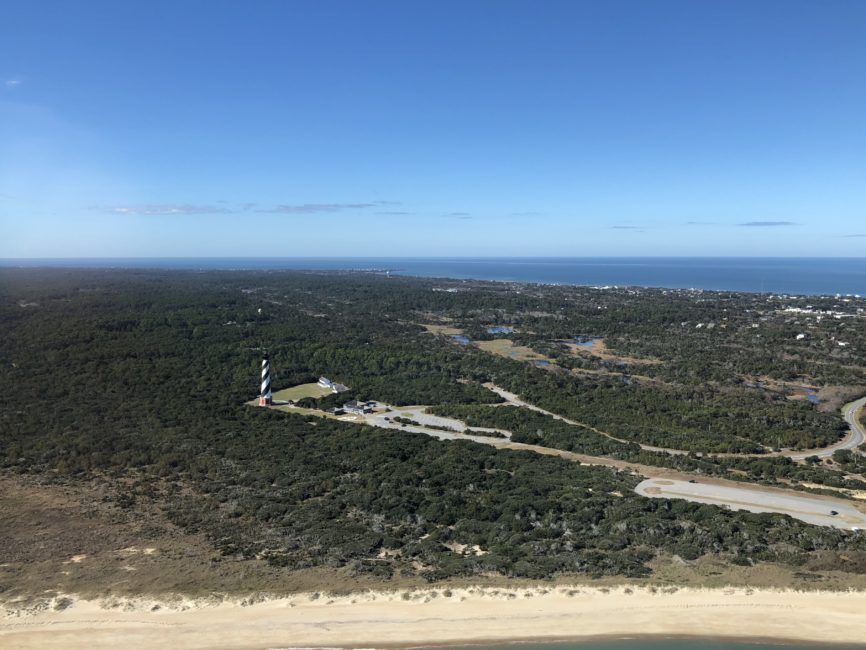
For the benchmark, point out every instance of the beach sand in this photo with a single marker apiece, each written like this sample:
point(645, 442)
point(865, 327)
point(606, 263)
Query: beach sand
point(439, 616)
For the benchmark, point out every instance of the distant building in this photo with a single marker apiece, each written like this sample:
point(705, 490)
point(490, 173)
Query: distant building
point(358, 408)
point(334, 387)
point(800, 337)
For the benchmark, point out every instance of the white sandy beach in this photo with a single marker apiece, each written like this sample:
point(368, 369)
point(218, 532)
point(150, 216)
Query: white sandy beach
point(440, 616)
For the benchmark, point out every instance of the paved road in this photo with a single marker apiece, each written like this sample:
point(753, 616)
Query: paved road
point(514, 400)
point(811, 509)
point(671, 484)
point(661, 482)
point(856, 435)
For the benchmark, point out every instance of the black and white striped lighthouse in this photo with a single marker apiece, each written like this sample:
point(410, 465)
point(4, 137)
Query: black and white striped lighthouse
point(265, 395)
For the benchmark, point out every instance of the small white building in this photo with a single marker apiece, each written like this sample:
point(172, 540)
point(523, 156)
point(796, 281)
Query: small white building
point(333, 386)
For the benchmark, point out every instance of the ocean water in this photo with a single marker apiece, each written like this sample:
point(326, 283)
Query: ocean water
point(663, 644)
point(808, 276)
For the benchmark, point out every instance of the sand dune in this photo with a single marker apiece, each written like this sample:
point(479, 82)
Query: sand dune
point(438, 616)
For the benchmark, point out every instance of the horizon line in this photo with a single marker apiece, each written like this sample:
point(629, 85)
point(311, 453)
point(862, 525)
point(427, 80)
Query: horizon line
point(423, 257)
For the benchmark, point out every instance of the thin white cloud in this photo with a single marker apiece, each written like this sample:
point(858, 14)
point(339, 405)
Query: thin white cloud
point(12, 83)
point(224, 207)
point(319, 208)
point(767, 224)
point(158, 209)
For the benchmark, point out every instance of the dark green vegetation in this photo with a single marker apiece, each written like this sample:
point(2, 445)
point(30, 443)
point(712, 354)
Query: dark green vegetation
point(710, 419)
point(139, 379)
point(536, 428)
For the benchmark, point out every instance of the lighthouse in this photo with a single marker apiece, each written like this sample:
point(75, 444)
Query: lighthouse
point(265, 396)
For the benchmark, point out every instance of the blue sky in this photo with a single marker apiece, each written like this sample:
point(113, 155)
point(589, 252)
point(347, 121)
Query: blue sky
point(432, 128)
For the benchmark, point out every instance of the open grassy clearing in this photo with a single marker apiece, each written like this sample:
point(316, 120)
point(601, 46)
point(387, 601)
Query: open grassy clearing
point(502, 347)
point(445, 330)
point(613, 373)
point(301, 391)
point(597, 348)
point(506, 348)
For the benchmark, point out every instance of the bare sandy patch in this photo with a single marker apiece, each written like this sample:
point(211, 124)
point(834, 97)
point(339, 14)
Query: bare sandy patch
point(445, 330)
point(854, 494)
point(597, 348)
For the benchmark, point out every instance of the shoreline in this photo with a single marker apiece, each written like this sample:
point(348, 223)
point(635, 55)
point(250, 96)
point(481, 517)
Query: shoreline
point(442, 617)
point(675, 280)
point(614, 638)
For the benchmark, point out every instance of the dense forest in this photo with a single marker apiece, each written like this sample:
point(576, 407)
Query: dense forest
point(140, 378)
point(696, 418)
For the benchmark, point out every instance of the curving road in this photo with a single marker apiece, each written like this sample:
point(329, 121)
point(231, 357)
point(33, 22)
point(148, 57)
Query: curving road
point(856, 434)
point(851, 412)
point(514, 400)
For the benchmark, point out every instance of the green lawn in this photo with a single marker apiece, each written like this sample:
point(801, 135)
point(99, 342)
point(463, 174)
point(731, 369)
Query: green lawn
point(303, 390)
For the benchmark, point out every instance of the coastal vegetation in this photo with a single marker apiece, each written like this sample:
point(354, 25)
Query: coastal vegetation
point(138, 381)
